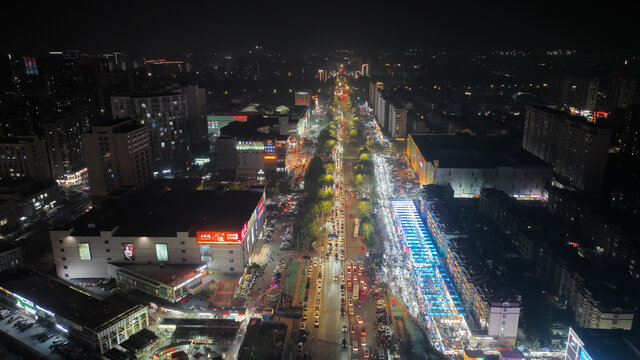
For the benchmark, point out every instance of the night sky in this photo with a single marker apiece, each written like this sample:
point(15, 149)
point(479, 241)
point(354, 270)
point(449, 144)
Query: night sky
point(171, 28)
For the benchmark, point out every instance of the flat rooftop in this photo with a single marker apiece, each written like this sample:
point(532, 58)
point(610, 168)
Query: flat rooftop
point(255, 128)
point(167, 274)
point(610, 344)
point(65, 301)
point(474, 151)
point(163, 213)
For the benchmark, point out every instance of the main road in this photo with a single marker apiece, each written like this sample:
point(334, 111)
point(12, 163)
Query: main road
point(326, 340)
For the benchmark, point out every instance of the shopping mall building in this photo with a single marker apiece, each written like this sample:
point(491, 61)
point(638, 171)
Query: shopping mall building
point(163, 242)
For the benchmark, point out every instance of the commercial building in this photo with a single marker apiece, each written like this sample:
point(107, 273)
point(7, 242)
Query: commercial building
point(255, 148)
point(24, 157)
point(118, 154)
point(322, 75)
point(99, 323)
point(589, 344)
point(166, 117)
point(381, 109)
point(162, 241)
point(64, 145)
point(303, 98)
point(575, 148)
point(469, 163)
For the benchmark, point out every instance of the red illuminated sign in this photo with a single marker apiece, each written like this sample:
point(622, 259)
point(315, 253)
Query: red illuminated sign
point(240, 117)
point(219, 237)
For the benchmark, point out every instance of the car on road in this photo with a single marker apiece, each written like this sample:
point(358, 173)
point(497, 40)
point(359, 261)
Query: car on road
point(363, 341)
point(344, 328)
point(363, 331)
point(316, 322)
point(352, 328)
point(359, 319)
point(351, 311)
point(366, 352)
point(303, 325)
point(317, 314)
point(355, 345)
point(350, 303)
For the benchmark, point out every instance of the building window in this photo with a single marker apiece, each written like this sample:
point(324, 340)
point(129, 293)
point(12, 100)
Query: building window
point(65, 267)
point(230, 260)
point(85, 251)
point(108, 250)
point(181, 242)
point(64, 258)
point(106, 241)
point(161, 252)
point(62, 250)
point(183, 251)
point(108, 259)
point(184, 259)
point(60, 241)
point(230, 252)
point(66, 275)
point(232, 269)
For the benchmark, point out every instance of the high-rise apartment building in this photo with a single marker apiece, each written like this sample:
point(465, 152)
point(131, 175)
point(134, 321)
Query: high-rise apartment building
point(374, 87)
point(381, 110)
point(631, 132)
point(621, 93)
point(580, 93)
point(397, 121)
point(118, 154)
point(166, 116)
point(576, 148)
point(24, 157)
point(197, 118)
point(64, 144)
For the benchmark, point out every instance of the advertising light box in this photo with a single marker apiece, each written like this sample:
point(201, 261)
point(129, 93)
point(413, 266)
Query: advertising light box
point(218, 237)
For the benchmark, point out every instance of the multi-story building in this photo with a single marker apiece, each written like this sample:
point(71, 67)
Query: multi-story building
point(592, 344)
point(118, 154)
point(581, 93)
point(621, 93)
point(303, 97)
point(631, 132)
point(469, 163)
point(577, 149)
point(163, 242)
point(10, 257)
point(24, 157)
point(100, 324)
point(166, 117)
point(197, 118)
point(64, 145)
point(397, 121)
point(253, 149)
point(364, 70)
point(381, 110)
point(374, 87)
point(322, 75)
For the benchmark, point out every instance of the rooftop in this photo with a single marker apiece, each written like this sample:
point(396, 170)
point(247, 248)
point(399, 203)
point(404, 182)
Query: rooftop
point(167, 274)
point(65, 301)
point(474, 151)
point(610, 344)
point(255, 128)
point(153, 213)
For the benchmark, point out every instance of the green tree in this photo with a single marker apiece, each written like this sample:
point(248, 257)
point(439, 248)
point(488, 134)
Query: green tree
point(329, 167)
point(365, 208)
point(326, 206)
point(366, 230)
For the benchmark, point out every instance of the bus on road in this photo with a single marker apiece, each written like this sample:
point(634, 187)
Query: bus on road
point(355, 291)
point(356, 227)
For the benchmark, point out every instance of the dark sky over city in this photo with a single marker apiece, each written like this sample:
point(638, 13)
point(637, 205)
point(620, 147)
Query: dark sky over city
point(170, 28)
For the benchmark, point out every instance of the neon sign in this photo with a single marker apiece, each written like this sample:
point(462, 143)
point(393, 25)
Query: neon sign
point(220, 237)
point(269, 157)
point(240, 117)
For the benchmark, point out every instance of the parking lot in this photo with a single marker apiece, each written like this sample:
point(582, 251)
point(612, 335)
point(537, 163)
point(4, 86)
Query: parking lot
point(47, 342)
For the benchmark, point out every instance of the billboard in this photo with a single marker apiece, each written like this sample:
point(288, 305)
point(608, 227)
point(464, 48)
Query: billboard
point(127, 250)
point(219, 237)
